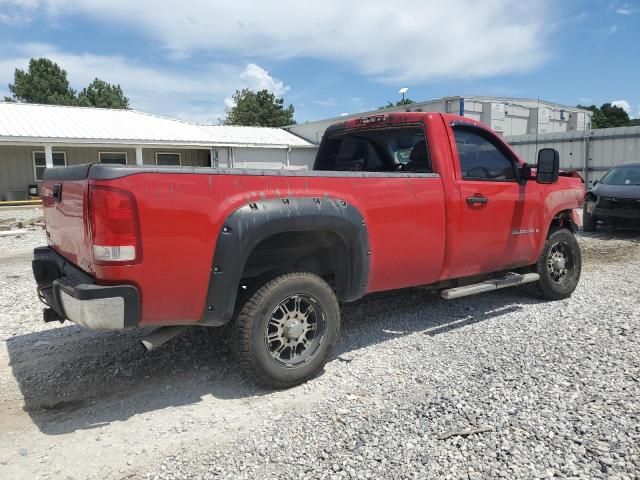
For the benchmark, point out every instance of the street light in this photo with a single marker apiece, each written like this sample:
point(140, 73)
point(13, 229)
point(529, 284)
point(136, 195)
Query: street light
point(403, 90)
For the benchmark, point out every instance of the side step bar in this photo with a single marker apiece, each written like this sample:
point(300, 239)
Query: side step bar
point(509, 280)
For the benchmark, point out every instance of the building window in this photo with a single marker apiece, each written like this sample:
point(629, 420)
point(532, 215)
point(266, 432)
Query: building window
point(168, 159)
point(118, 158)
point(40, 163)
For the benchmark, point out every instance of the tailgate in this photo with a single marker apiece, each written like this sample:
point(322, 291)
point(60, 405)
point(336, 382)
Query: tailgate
point(64, 195)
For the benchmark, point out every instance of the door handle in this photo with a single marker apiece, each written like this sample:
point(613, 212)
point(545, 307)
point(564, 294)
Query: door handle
point(477, 200)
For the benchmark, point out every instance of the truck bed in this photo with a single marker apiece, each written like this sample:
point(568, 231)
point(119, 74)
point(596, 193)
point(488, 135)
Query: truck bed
point(182, 211)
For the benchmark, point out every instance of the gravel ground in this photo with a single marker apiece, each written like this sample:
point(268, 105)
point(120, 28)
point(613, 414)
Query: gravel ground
point(501, 385)
point(21, 244)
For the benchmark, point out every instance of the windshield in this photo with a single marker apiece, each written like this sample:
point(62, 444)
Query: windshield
point(625, 175)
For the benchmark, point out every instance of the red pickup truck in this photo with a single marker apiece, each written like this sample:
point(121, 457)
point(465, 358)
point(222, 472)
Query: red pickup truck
point(393, 201)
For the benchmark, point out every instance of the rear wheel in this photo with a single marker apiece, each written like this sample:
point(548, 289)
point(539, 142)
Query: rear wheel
point(560, 265)
point(588, 220)
point(287, 329)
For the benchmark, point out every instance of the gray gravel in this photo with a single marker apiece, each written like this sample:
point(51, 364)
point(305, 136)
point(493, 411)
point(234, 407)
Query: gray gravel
point(551, 388)
point(26, 242)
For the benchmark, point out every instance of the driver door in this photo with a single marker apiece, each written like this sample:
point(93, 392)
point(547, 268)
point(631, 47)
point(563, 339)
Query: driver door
point(499, 217)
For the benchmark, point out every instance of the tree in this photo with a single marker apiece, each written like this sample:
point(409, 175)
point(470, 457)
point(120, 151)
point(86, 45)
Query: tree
point(261, 109)
point(608, 116)
point(399, 103)
point(43, 82)
point(103, 95)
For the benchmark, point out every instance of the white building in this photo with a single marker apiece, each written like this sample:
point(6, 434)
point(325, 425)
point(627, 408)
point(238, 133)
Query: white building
point(33, 137)
point(508, 116)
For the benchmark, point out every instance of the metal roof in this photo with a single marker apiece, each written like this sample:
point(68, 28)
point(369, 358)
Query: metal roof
point(254, 135)
point(30, 123)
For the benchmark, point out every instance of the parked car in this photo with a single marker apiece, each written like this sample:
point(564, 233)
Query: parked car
point(615, 199)
point(393, 201)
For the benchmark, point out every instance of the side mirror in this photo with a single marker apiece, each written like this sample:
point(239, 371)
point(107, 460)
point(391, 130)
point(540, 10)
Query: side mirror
point(524, 173)
point(548, 165)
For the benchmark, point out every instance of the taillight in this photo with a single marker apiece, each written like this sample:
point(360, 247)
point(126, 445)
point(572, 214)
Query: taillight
point(115, 229)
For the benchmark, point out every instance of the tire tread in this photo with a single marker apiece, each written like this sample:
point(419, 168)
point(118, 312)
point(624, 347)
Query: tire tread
point(243, 324)
point(543, 290)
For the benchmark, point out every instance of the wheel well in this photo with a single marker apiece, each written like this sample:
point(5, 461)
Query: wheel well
point(564, 219)
point(321, 252)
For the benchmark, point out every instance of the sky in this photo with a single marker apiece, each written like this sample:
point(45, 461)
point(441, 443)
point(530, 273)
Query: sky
point(185, 59)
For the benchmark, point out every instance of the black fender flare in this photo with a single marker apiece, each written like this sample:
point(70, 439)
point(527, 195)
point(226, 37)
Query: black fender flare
point(250, 224)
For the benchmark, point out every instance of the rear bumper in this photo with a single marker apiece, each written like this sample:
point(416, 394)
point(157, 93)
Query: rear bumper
point(73, 294)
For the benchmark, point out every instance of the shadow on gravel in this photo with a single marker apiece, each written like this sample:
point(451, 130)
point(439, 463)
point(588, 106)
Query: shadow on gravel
point(73, 379)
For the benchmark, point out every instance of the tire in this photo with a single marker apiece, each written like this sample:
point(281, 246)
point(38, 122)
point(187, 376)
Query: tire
point(588, 221)
point(284, 333)
point(555, 281)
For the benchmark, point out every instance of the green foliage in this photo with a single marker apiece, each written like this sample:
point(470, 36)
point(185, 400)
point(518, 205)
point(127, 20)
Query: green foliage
point(46, 83)
point(399, 103)
point(103, 95)
point(43, 82)
point(608, 116)
point(258, 109)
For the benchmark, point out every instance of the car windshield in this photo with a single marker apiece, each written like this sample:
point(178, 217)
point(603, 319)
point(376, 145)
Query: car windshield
point(624, 175)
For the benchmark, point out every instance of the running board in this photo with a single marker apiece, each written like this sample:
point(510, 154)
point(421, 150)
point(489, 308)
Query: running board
point(509, 280)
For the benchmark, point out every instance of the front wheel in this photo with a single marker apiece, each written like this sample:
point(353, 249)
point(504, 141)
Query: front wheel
point(287, 329)
point(560, 265)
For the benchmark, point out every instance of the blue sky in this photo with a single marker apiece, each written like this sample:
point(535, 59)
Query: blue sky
point(185, 59)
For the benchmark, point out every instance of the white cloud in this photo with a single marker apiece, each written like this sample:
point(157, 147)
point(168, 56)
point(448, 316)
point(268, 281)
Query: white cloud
point(256, 78)
point(611, 30)
point(405, 40)
point(12, 19)
point(326, 102)
point(624, 10)
point(623, 104)
point(150, 89)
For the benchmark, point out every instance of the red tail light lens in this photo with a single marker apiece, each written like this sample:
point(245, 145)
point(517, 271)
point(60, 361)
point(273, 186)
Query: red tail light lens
point(115, 228)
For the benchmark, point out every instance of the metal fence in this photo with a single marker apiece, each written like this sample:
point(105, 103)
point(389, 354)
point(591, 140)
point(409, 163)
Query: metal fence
point(592, 152)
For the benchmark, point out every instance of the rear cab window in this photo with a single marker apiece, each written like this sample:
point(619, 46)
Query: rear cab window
point(397, 149)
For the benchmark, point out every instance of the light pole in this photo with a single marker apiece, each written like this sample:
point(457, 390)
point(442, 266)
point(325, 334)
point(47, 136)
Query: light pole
point(403, 90)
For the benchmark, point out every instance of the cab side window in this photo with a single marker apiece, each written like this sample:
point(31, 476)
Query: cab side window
point(480, 159)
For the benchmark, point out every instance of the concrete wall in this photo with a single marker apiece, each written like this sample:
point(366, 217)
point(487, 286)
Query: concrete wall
point(16, 169)
point(259, 157)
point(302, 158)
